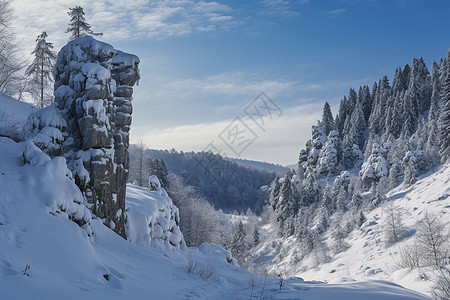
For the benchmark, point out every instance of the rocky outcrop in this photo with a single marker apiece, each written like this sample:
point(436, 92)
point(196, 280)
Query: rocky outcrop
point(93, 92)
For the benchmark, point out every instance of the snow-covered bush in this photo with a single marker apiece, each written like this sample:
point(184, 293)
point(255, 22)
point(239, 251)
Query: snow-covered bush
point(152, 219)
point(64, 198)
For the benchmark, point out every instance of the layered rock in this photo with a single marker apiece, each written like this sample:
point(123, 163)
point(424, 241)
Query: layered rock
point(93, 92)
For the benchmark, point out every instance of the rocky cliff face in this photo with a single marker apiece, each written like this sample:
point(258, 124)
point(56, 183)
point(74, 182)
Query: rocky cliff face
point(89, 123)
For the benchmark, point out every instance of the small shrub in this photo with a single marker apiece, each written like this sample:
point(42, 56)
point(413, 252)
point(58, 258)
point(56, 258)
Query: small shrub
point(202, 271)
point(409, 257)
point(441, 289)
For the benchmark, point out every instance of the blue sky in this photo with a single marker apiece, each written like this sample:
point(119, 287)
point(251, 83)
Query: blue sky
point(203, 62)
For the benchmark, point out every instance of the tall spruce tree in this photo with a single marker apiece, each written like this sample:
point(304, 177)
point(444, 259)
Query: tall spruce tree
point(238, 241)
point(444, 118)
point(432, 144)
point(78, 26)
point(327, 119)
point(40, 71)
point(256, 237)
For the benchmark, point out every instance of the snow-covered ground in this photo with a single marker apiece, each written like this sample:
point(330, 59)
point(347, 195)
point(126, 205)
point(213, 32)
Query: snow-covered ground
point(368, 256)
point(13, 114)
point(39, 199)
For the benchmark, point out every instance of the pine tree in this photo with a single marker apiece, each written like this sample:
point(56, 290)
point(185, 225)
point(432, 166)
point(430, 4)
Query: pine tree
point(275, 193)
point(444, 119)
point(330, 154)
point(284, 208)
point(432, 146)
point(365, 98)
point(256, 237)
point(41, 70)
point(78, 26)
point(327, 119)
point(355, 134)
point(238, 242)
point(382, 95)
point(419, 86)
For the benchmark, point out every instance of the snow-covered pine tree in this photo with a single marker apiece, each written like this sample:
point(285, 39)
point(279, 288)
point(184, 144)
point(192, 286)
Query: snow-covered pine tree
point(419, 86)
point(327, 119)
point(355, 135)
point(78, 25)
point(330, 155)
point(381, 97)
point(341, 116)
point(444, 118)
point(158, 167)
point(40, 72)
point(238, 241)
point(432, 144)
point(284, 208)
point(256, 237)
point(275, 193)
point(365, 98)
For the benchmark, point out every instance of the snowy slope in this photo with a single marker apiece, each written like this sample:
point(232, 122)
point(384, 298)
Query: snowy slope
point(368, 257)
point(37, 201)
point(13, 114)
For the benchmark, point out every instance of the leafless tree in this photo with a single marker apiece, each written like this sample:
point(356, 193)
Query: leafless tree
point(12, 81)
point(393, 228)
point(434, 237)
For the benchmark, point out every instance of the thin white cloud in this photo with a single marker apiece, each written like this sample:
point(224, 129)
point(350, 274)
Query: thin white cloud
point(336, 12)
point(234, 84)
point(231, 84)
point(122, 20)
point(281, 140)
point(279, 8)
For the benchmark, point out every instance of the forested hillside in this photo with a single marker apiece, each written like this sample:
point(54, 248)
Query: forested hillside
point(379, 138)
point(225, 184)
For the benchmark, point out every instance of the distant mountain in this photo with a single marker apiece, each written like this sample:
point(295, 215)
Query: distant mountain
point(223, 182)
point(292, 166)
point(279, 169)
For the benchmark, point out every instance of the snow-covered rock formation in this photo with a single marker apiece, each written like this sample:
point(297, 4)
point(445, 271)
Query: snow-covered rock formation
point(152, 219)
point(89, 123)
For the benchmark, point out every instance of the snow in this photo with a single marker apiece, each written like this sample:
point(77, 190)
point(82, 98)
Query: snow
point(98, 109)
point(38, 202)
point(13, 114)
point(368, 257)
point(152, 218)
point(125, 59)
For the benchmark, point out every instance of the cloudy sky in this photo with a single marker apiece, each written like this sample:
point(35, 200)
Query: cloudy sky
point(205, 63)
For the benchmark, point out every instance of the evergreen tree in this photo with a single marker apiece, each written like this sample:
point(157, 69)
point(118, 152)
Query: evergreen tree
point(432, 145)
point(238, 241)
point(284, 208)
point(410, 166)
point(444, 118)
point(78, 26)
point(340, 118)
point(275, 193)
point(327, 119)
point(256, 237)
point(330, 154)
point(41, 70)
point(365, 98)
point(355, 134)
point(381, 98)
point(418, 87)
